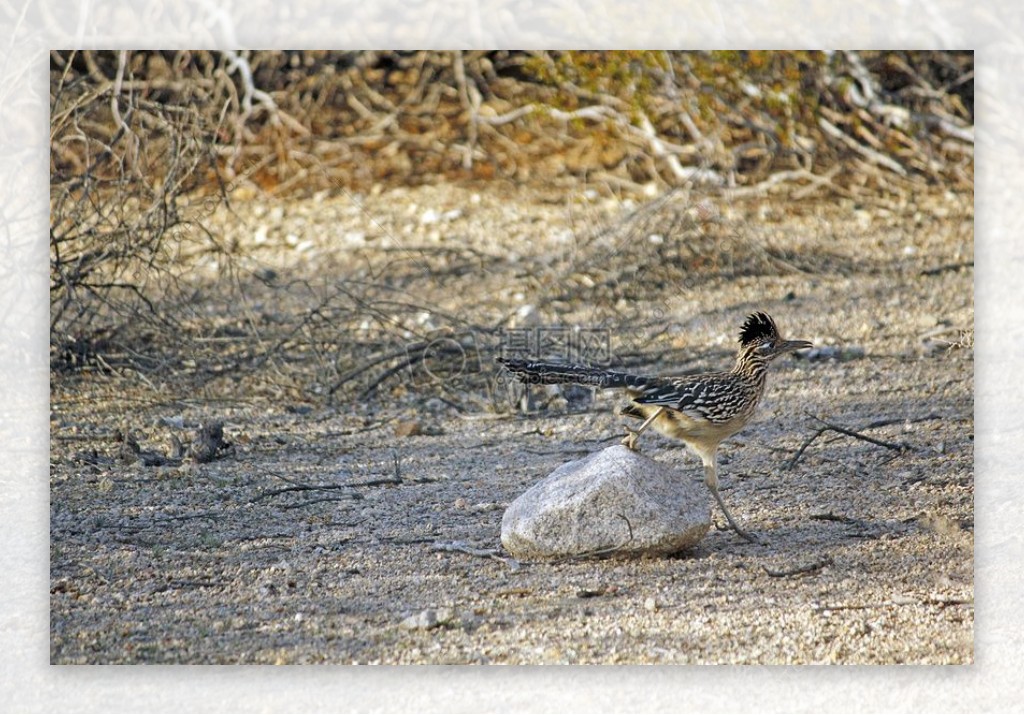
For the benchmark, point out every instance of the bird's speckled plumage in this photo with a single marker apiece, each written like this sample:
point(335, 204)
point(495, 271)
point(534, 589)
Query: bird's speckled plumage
point(700, 410)
point(718, 398)
point(721, 398)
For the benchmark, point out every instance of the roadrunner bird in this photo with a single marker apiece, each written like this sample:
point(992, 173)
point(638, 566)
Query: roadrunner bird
point(700, 410)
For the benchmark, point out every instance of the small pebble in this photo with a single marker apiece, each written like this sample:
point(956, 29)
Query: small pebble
point(408, 428)
point(427, 619)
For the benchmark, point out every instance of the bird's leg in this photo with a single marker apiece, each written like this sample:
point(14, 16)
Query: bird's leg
point(711, 479)
point(633, 434)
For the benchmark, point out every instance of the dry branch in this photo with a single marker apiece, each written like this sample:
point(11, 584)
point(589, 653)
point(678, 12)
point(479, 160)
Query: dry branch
point(807, 568)
point(144, 144)
point(830, 427)
point(463, 548)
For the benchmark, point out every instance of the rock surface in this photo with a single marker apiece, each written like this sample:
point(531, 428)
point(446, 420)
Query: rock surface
point(612, 502)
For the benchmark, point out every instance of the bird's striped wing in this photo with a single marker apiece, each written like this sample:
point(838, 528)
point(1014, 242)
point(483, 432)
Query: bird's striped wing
point(714, 397)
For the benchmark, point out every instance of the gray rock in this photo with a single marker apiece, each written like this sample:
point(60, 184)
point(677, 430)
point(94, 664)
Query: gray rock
point(613, 502)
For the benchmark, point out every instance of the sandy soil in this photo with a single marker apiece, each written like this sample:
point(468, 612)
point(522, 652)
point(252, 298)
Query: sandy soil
point(335, 521)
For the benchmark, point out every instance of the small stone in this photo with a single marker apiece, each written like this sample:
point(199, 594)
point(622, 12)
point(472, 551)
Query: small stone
point(526, 316)
point(434, 405)
point(427, 619)
point(408, 428)
point(267, 275)
point(650, 604)
point(173, 421)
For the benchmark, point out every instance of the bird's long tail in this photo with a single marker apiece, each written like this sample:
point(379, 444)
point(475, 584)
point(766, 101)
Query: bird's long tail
point(552, 373)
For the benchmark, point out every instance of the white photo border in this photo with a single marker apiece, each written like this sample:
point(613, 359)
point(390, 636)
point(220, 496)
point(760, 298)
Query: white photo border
point(29, 684)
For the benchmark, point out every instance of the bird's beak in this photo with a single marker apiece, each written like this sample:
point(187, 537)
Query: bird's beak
point(790, 345)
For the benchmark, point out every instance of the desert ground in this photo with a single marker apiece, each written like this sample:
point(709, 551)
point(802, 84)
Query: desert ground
point(353, 511)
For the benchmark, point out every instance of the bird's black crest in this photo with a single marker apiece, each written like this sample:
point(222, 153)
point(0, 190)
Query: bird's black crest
point(758, 327)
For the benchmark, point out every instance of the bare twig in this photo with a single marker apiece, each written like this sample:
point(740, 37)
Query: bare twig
point(947, 267)
point(830, 427)
point(298, 486)
point(800, 450)
point(941, 601)
point(869, 154)
point(841, 518)
point(802, 569)
point(310, 502)
point(384, 481)
point(899, 446)
point(463, 548)
point(115, 97)
point(786, 177)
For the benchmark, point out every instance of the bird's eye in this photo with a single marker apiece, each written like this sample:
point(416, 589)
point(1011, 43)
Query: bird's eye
point(765, 347)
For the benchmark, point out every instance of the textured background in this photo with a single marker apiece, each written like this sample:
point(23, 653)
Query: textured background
point(993, 29)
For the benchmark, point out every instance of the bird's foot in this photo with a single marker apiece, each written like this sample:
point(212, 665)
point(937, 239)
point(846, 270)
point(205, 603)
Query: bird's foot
point(630, 439)
point(742, 533)
point(748, 537)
